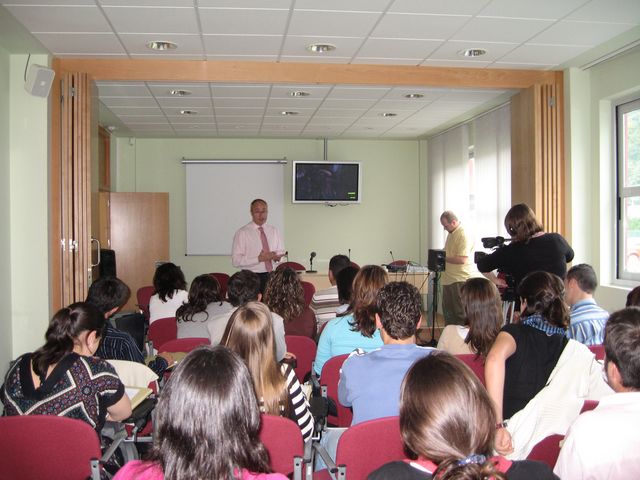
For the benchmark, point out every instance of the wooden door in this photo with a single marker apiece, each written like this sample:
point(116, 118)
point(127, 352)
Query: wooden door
point(139, 227)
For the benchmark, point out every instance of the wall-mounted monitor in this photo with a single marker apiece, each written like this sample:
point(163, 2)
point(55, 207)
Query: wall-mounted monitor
point(327, 182)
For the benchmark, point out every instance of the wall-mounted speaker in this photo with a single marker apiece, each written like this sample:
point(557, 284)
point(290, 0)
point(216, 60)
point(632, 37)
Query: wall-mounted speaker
point(436, 260)
point(39, 80)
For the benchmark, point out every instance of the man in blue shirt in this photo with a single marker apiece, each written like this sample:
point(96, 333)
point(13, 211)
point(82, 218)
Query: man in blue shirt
point(370, 382)
point(587, 318)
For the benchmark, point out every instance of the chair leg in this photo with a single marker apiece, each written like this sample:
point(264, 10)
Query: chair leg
point(95, 469)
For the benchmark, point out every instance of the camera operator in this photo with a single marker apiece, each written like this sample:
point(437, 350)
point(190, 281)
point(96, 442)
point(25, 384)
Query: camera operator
point(530, 250)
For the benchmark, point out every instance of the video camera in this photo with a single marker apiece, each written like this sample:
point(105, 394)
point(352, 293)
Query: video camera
point(508, 294)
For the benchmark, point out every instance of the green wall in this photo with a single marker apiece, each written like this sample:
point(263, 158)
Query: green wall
point(387, 218)
point(590, 97)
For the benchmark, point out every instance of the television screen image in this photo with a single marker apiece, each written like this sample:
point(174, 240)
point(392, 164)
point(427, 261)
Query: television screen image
point(320, 182)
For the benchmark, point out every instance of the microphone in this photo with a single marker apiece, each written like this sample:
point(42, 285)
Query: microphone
point(349, 254)
point(392, 259)
point(311, 257)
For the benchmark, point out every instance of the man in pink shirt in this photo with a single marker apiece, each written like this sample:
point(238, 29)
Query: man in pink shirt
point(257, 246)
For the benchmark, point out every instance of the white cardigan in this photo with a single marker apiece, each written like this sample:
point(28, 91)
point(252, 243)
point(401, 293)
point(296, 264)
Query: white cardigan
point(576, 377)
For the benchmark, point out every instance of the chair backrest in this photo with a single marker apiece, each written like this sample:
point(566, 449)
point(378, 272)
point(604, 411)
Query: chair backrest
point(292, 265)
point(46, 446)
point(163, 330)
point(135, 324)
point(330, 376)
point(547, 450)
point(183, 344)
point(283, 440)
point(475, 363)
point(383, 445)
point(598, 351)
point(398, 263)
point(309, 289)
point(143, 296)
point(589, 405)
point(223, 280)
point(305, 351)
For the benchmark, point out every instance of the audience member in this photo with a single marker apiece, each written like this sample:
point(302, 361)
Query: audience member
point(448, 427)
point(108, 295)
point(284, 295)
point(170, 293)
point(325, 302)
point(604, 443)
point(633, 298)
point(370, 382)
point(207, 424)
point(483, 318)
point(244, 287)
point(63, 377)
point(205, 302)
point(249, 333)
point(532, 364)
point(530, 250)
point(356, 328)
point(587, 318)
point(344, 283)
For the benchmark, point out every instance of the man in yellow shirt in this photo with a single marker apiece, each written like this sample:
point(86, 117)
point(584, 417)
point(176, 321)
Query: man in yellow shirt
point(458, 268)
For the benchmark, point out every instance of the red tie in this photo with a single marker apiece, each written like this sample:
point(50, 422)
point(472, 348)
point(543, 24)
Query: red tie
point(265, 247)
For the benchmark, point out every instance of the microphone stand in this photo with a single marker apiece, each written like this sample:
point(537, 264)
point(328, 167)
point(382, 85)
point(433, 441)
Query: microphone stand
point(311, 266)
point(434, 309)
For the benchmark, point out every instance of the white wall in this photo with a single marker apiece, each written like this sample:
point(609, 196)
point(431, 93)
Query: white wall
point(590, 97)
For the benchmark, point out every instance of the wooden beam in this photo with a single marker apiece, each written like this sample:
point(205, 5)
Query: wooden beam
point(303, 73)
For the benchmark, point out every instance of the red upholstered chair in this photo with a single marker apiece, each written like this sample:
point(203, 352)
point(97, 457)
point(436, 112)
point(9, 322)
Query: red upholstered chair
point(183, 344)
point(292, 265)
point(598, 351)
point(223, 280)
point(143, 297)
point(589, 405)
point(283, 440)
point(46, 446)
point(163, 330)
point(547, 450)
point(305, 351)
point(475, 363)
point(355, 265)
point(380, 438)
point(309, 290)
point(329, 377)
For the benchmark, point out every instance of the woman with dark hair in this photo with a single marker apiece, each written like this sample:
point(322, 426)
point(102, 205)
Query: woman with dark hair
point(530, 250)
point(170, 293)
point(448, 427)
point(205, 302)
point(249, 333)
point(633, 298)
point(284, 295)
point(63, 378)
point(483, 312)
point(206, 424)
point(356, 327)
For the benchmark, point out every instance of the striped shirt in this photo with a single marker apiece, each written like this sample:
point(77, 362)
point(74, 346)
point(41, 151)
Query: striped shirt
point(324, 304)
point(300, 406)
point(587, 322)
point(539, 322)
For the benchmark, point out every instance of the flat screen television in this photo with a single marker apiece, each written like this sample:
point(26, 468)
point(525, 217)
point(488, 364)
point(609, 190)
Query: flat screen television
point(327, 182)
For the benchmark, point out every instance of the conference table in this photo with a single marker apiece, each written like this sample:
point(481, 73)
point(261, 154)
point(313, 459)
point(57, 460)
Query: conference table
point(320, 280)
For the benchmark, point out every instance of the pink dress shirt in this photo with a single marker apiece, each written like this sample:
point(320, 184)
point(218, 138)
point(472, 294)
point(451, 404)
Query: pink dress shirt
point(247, 246)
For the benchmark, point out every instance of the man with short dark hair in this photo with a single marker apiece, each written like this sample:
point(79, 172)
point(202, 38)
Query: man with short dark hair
point(370, 382)
point(604, 443)
point(244, 287)
point(587, 318)
point(325, 302)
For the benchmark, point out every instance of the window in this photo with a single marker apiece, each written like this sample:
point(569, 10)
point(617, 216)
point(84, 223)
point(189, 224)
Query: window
point(628, 153)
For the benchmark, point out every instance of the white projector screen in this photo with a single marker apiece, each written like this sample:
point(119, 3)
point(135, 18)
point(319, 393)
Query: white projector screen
point(218, 194)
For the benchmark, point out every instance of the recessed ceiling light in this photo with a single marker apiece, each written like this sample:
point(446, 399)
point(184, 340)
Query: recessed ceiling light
point(413, 95)
point(299, 93)
point(179, 93)
point(188, 112)
point(321, 47)
point(112, 128)
point(472, 52)
point(289, 112)
point(388, 114)
point(161, 45)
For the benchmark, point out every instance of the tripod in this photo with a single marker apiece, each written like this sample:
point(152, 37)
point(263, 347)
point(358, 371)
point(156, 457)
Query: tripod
point(434, 309)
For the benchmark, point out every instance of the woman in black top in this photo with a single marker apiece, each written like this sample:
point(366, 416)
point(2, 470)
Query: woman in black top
point(530, 250)
point(448, 427)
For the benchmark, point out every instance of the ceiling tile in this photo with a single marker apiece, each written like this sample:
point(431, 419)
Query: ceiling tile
point(348, 103)
point(242, 44)
point(357, 92)
point(291, 102)
point(547, 9)
point(48, 2)
point(162, 89)
point(297, 46)
point(239, 91)
point(185, 102)
point(129, 101)
point(508, 30)
point(273, 111)
point(236, 21)
point(622, 11)
point(131, 120)
point(412, 62)
point(351, 5)
point(238, 119)
point(403, 48)
point(139, 111)
point(332, 24)
point(146, 3)
point(435, 62)
point(286, 4)
point(306, 59)
point(239, 102)
point(136, 43)
point(123, 89)
point(339, 112)
point(204, 116)
point(158, 20)
point(449, 51)
point(450, 7)
point(283, 91)
point(165, 56)
point(428, 94)
point(81, 43)
point(331, 121)
point(555, 54)
point(434, 27)
point(582, 33)
point(59, 19)
point(175, 112)
point(222, 111)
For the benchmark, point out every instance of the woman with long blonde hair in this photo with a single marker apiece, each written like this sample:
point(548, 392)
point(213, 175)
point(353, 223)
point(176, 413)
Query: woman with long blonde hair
point(249, 333)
